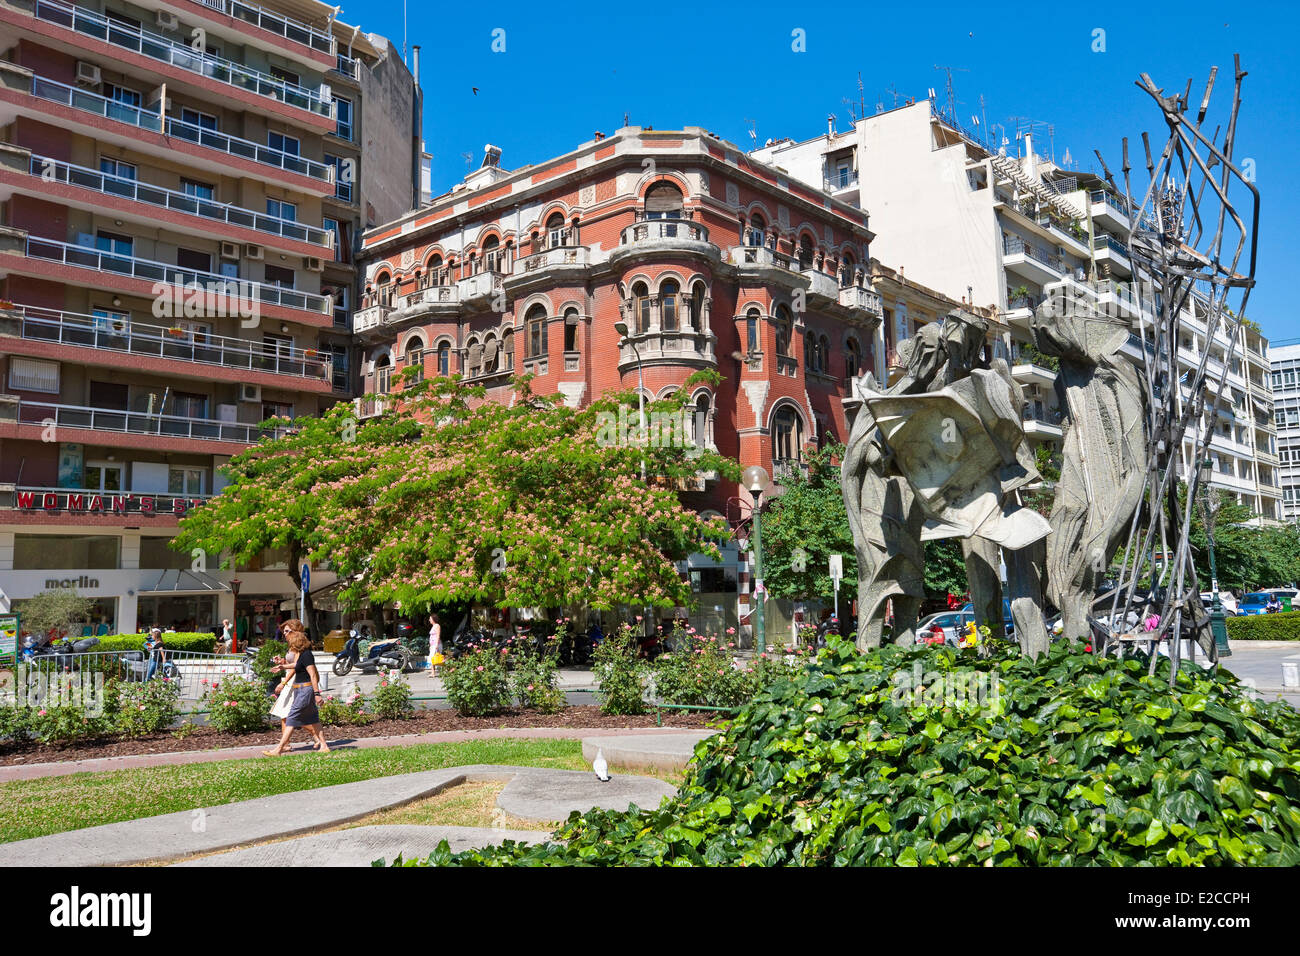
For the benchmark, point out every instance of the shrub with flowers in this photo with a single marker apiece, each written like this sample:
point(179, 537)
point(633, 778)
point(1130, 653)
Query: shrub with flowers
point(347, 711)
point(477, 682)
point(14, 722)
point(536, 672)
point(391, 699)
point(57, 723)
point(700, 670)
point(621, 675)
point(146, 708)
point(237, 705)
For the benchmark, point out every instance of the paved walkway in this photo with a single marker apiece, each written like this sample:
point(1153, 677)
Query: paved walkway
point(530, 793)
point(100, 764)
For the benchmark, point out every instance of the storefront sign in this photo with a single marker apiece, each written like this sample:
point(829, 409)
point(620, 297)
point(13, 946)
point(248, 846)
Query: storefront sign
point(8, 635)
point(82, 502)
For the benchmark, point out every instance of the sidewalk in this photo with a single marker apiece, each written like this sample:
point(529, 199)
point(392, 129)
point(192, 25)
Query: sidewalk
point(34, 771)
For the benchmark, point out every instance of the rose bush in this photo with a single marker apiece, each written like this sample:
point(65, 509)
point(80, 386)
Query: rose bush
point(477, 682)
point(146, 708)
point(391, 699)
point(237, 705)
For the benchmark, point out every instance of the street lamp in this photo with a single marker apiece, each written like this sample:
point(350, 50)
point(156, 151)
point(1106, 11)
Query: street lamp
point(621, 329)
point(755, 478)
point(234, 637)
point(1210, 504)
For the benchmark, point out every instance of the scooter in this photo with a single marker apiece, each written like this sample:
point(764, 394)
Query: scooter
point(381, 654)
point(62, 655)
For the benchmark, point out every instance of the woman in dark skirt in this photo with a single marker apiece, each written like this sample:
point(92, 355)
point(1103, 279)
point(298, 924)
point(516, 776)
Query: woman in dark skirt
point(300, 669)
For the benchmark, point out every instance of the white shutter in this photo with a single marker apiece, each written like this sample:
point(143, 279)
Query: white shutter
point(31, 375)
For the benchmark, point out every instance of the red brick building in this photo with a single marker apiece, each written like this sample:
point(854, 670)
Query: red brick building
point(712, 260)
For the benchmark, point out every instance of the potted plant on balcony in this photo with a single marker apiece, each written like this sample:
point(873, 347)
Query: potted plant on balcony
point(176, 330)
point(6, 305)
point(311, 353)
point(1018, 298)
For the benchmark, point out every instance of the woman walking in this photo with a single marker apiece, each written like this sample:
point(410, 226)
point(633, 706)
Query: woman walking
point(299, 668)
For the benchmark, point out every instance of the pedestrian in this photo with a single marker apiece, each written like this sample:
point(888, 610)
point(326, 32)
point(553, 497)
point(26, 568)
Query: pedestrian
point(435, 643)
point(299, 669)
point(157, 653)
point(226, 636)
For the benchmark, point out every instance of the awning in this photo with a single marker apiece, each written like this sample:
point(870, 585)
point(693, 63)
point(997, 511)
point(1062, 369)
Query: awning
point(184, 582)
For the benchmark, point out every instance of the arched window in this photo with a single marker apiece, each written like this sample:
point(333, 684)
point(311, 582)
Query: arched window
point(415, 356)
point(491, 348)
point(492, 254)
point(668, 305)
point(696, 306)
point(787, 435)
point(508, 350)
point(824, 354)
point(663, 200)
point(556, 234)
point(535, 329)
point(383, 374)
point(570, 329)
point(435, 274)
point(847, 272)
point(757, 230)
point(473, 356)
point(810, 352)
point(853, 358)
point(384, 290)
point(701, 431)
point(806, 252)
point(751, 329)
point(784, 328)
point(641, 306)
point(444, 359)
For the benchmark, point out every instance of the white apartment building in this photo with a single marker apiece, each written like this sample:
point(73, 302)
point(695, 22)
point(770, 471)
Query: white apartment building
point(1000, 230)
point(1284, 359)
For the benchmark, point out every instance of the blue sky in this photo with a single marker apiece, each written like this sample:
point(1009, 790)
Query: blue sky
point(569, 70)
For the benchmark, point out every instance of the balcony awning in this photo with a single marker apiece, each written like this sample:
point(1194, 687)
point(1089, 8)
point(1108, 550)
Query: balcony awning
point(184, 582)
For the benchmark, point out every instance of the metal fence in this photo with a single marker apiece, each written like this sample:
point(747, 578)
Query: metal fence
point(194, 672)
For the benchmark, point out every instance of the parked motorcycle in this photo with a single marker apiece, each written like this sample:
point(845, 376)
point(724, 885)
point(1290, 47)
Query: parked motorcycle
point(386, 654)
point(60, 655)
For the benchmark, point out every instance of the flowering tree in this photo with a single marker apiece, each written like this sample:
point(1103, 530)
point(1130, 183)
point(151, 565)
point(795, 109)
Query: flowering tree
point(450, 498)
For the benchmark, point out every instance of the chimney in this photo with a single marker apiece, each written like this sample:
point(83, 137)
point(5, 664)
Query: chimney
point(598, 135)
point(1032, 164)
point(830, 126)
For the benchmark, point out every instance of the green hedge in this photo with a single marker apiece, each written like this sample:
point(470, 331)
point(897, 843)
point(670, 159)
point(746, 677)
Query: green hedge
point(203, 643)
point(1284, 626)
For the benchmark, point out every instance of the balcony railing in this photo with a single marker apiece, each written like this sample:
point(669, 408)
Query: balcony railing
point(1102, 196)
point(54, 170)
point(275, 23)
point(1042, 416)
point(856, 297)
point(108, 333)
point(762, 256)
point(832, 184)
point(160, 48)
point(79, 99)
point(822, 285)
point(555, 256)
point(1014, 245)
point(430, 295)
point(25, 412)
point(660, 229)
point(86, 257)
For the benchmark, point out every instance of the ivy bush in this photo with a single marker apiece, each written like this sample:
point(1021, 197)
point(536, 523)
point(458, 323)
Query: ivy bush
point(1283, 626)
point(477, 683)
point(237, 705)
point(147, 707)
point(938, 756)
point(621, 676)
point(391, 699)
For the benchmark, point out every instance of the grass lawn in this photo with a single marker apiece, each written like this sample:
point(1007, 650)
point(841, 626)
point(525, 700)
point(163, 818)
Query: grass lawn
point(32, 808)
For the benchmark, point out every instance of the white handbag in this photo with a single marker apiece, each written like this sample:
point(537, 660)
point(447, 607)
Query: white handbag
point(285, 702)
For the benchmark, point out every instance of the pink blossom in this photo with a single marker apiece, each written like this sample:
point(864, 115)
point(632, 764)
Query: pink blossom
point(479, 668)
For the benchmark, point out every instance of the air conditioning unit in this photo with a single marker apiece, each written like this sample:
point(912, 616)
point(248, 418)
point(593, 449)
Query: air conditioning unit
point(250, 393)
point(87, 73)
point(230, 250)
point(252, 251)
point(167, 20)
point(312, 264)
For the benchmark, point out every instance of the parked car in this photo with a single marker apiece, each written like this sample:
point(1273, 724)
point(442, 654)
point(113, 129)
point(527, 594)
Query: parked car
point(1255, 603)
point(1228, 602)
point(946, 627)
point(1007, 623)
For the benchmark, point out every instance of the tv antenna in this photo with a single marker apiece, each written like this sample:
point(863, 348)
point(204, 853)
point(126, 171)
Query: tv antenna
point(894, 93)
point(753, 131)
point(950, 91)
point(469, 160)
point(1025, 124)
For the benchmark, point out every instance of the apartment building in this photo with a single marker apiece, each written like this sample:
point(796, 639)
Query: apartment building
point(1284, 361)
point(183, 186)
point(713, 261)
point(1001, 230)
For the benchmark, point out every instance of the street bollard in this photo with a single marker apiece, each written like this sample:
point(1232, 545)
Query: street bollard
point(1290, 675)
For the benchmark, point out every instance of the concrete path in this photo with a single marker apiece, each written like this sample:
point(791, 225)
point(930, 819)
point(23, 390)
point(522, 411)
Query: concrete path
point(363, 845)
point(20, 771)
point(660, 751)
point(536, 794)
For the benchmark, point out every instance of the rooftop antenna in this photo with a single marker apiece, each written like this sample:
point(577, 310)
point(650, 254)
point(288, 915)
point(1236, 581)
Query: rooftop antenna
point(951, 92)
point(469, 161)
point(894, 93)
point(753, 131)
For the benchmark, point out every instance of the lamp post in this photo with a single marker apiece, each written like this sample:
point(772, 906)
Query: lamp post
point(234, 638)
point(1210, 503)
point(621, 329)
point(755, 478)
